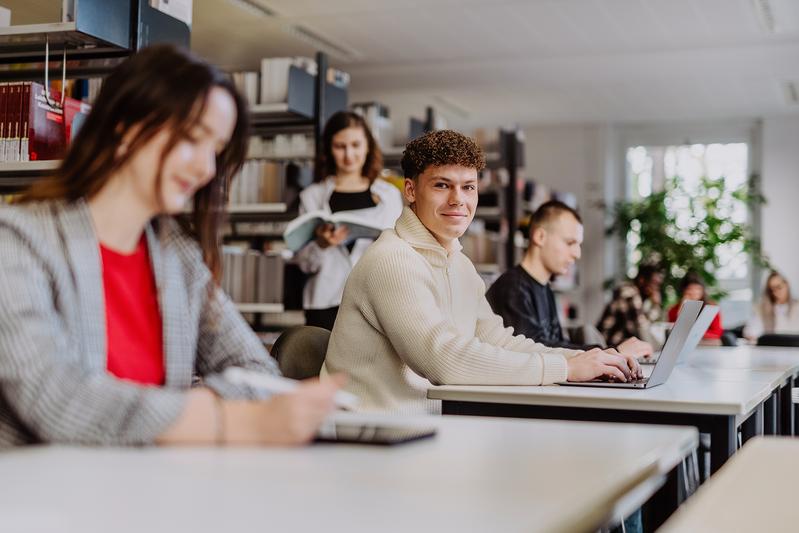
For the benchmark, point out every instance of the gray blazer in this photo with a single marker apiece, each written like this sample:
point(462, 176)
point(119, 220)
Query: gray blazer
point(54, 386)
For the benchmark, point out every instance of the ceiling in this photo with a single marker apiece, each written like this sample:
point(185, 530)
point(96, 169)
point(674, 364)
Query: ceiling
point(499, 62)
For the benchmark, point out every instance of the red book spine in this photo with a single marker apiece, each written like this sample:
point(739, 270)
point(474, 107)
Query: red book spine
point(24, 134)
point(46, 126)
point(15, 109)
point(3, 128)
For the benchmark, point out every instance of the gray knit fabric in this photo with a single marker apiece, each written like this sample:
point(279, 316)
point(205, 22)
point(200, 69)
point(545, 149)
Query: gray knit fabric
point(54, 386)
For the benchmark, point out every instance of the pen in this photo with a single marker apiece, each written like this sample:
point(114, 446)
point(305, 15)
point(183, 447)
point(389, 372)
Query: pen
point(279, 385)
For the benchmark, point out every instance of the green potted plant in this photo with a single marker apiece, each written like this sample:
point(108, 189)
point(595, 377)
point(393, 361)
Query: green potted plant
point(687, 238)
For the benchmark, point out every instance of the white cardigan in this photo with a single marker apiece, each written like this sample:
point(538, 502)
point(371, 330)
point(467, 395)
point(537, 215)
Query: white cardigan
point(786, 321)
point(413, 315)
point(331, 266)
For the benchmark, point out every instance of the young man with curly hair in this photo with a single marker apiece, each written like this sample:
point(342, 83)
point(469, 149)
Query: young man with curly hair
point(414, 310)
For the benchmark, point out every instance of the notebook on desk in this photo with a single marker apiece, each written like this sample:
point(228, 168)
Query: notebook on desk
point(375, 428)
point(676, 343)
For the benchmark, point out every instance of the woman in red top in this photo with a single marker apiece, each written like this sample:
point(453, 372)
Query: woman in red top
point(109, 307)
point(692, 288)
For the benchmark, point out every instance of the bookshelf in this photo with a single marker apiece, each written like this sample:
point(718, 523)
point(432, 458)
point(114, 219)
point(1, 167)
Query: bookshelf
point(94, 36)
point(15, 176)
point(257, 209)
point(259, 308)
point(310, 101)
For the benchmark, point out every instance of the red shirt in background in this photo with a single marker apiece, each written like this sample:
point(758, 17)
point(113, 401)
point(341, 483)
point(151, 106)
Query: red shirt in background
point(713, 332)
point(132, 316)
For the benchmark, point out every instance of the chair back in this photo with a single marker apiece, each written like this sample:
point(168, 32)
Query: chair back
point(300, 351)
point(778, 339)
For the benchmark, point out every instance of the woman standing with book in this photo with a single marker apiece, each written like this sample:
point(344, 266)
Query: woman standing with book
point(351, 160)
point(108, 307)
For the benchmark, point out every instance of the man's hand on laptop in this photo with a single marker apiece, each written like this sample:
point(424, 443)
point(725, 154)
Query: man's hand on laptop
point(597, 363)
point(632, 361)
point(636, 348)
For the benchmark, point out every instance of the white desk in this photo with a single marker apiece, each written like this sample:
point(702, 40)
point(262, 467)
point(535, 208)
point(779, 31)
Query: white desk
point(475, 475)
point(785, 360)
point(716, 406)
point(754, 491)
point(778, 412)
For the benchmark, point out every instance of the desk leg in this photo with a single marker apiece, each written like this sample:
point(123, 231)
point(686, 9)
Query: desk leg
point(770, 415)
point(663, 503)
point(752, 426)
point(786, 409)
point(723, 441)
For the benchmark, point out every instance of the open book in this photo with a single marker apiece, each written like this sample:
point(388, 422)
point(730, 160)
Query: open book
point(301, 230)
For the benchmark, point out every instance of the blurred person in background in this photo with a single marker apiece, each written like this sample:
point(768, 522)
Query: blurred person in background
point(635, 306)
point(777, 311)
point(351, 161)
point(693, 288)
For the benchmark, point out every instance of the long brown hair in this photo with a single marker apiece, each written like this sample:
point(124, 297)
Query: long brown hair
point(768, 302)
point(159, 87)
point(341, 121)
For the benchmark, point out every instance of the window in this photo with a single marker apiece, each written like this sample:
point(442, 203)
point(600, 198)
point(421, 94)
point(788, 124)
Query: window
point(651, 167)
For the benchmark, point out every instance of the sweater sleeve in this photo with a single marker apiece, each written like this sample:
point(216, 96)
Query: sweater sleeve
point(490, 328)
point(403, 304)
point(42, 379)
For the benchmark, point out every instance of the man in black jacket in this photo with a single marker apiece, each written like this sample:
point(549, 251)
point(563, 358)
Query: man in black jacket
point(522, 295)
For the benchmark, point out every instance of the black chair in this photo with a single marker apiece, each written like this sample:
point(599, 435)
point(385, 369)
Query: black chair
point(586, 334)
point(778, 339)
point(729, 338)
point(300, 351)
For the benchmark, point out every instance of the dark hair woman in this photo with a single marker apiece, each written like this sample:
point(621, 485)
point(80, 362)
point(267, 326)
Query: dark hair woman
point(351, 161)
point(109, 308)
point(693, 288)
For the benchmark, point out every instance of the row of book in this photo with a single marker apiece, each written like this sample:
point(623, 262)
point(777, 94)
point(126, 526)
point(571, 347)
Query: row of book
point(250, 276)
point(267, 181)
point(271, 84)
point(85, 89)
point(34, 126)
point(281, 146)
point(377, 117)
point(259, 181)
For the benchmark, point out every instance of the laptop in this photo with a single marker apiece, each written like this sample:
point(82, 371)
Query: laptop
point(674, 347)
point(375, 428)
point(707, 315)
point(698, 331)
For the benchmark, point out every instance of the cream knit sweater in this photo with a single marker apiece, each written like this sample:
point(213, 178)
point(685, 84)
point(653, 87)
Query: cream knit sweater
point(413, 315)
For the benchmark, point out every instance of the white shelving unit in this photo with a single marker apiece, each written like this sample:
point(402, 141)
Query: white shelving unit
point(259, 308)
point(257, 208)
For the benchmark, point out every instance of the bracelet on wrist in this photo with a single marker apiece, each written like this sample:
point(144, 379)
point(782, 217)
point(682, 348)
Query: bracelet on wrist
point(221, 433)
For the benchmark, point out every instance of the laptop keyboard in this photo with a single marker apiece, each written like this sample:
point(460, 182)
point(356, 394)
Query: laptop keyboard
point(609, 379)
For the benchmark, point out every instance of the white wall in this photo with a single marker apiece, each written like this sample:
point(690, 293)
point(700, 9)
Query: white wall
point(571, 158)
point(780, 175)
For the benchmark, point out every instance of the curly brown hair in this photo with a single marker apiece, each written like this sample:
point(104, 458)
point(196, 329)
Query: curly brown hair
point(438, 148)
